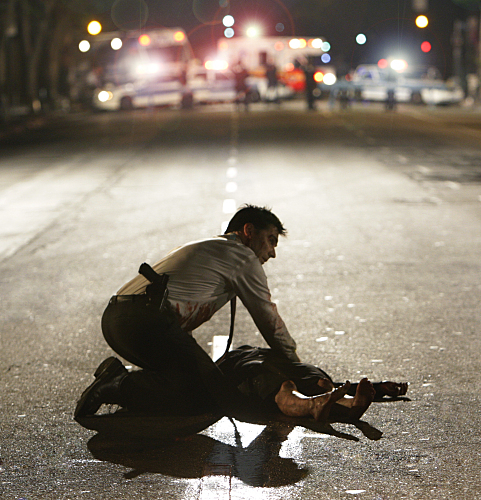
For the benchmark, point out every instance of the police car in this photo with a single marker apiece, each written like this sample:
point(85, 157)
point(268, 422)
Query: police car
point(139, 94)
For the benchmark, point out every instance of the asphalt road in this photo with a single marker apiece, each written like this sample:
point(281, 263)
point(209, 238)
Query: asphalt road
point(379, 276)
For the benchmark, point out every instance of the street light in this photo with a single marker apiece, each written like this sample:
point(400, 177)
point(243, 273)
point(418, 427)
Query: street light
point(116, 43)
point(361, 39)
point(422, 21)
point(84, 46)
point(94, 28)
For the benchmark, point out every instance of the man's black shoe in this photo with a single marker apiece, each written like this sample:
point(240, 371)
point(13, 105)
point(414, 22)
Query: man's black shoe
point(104, 389)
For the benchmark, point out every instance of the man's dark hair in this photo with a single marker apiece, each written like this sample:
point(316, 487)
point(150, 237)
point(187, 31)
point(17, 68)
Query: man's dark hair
point(260, 217)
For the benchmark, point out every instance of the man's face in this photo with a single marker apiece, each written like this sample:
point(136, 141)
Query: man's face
point(263, 242)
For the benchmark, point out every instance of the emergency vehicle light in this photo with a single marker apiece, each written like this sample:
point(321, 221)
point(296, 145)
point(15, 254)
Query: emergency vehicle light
point(330, 79)
point(179, 36)
point(216, 65)
point(399, 65)
point(426, 47)
point(144, 40)
point(297, 43)
point(104, 96)
point(294, 43)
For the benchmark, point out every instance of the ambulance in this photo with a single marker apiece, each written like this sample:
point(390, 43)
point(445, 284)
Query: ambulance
point(288, 54)
point(145, 69)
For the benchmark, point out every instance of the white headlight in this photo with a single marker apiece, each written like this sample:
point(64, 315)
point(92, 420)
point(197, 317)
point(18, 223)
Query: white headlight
point(104, 96)
point(329, 79)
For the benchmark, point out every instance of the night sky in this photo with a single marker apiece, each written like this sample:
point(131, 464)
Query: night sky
point(388, 24)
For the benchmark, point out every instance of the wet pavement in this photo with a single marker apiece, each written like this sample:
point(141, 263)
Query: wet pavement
point(379, 277)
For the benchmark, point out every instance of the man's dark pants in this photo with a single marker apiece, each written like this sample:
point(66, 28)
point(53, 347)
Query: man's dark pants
point(177, 375)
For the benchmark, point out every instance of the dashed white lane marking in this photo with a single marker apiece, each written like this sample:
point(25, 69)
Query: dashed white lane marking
point(231, 187)
point(231, 172)
point(229, 206)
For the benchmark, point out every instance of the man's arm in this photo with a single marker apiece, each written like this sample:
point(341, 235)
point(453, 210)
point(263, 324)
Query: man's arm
point(250, 285)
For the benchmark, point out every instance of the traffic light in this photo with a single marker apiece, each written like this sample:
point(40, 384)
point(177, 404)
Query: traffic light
point(426, 47)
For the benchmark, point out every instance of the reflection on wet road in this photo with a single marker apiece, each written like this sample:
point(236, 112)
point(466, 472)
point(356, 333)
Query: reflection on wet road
point(379, 276)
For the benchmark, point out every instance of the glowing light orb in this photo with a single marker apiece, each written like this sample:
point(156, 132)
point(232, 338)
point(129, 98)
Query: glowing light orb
point(94, 28)
point(326, 46)
point(253, 31)
point(330, 79)
point(426, 47)
point(228, 21)
point(294, 43)
point(144, 40)
point(216, 64)
point(179, 36)
point(399, 65)
point(361, 39)
point(422, 21)
point(104, 96)
point(116, 43)
point(84, 46)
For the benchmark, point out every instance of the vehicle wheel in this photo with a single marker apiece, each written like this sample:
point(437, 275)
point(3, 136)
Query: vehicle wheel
point(253, 96)
point(187, 101)
point(416, 98)
point(126, 103)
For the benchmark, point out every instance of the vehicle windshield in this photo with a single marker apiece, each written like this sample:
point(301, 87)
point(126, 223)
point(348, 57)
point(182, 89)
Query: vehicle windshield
point(146, 63)
point(423, 73)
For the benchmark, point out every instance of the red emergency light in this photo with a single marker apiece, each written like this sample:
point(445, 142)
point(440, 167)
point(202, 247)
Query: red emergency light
point(425, 46)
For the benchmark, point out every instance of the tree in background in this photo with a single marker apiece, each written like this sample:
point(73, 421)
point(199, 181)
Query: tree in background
point(467, 47)
point(34, 38)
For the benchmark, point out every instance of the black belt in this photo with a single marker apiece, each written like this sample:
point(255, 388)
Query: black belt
point(129, 298)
